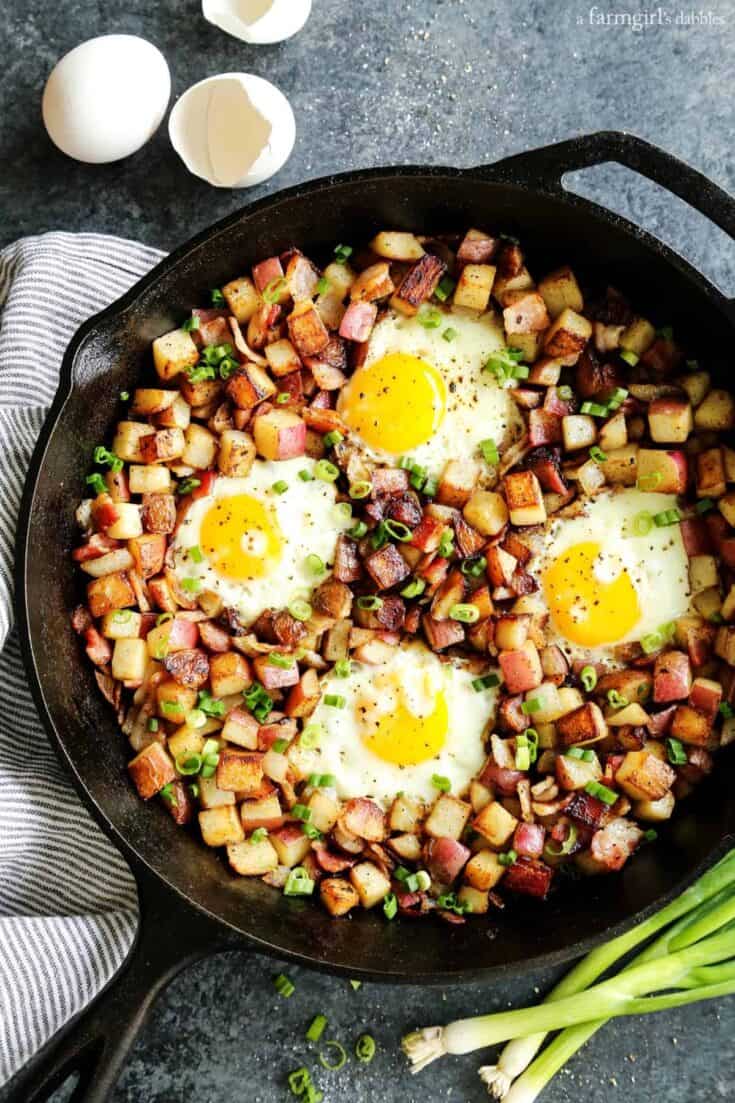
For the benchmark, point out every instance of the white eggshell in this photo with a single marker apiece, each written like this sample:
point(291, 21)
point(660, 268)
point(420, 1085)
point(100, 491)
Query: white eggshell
point(258, 21)
point(106, 98)
point(234, 130)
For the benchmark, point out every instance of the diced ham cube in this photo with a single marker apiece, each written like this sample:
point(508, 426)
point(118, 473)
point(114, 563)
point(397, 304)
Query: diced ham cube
point(358, 321)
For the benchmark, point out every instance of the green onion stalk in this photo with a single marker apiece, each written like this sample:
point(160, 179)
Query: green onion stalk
point(688, 957)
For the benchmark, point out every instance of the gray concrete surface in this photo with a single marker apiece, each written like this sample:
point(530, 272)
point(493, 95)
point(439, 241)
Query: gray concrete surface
point(440, 81)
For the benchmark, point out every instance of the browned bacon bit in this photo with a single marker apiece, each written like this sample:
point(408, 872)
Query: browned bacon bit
point(81, 619)
point(421, 280)
point(530, 877)
point(387, 567)
point(110, 689)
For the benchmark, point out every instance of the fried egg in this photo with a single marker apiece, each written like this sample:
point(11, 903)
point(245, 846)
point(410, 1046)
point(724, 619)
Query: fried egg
point(402, 723)
point(420, 394)
point(250, 539)
point(604, 585)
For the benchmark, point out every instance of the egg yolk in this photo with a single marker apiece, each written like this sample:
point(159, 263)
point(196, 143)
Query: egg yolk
point(585, 608)
point(401, 737)
point(396, 403)
point(241, 538)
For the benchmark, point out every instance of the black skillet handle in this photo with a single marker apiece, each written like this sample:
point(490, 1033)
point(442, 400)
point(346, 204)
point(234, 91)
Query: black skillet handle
point(171, 934)
point(544, 168)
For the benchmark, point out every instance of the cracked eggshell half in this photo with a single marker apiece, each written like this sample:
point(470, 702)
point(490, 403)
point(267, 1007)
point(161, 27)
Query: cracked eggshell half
point(260, 22)
point(234, 130)
point(106, 98)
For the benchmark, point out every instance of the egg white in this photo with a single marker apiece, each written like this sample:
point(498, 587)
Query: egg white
point(414, 676)
point(309, 521)
point(656, 563)
point(477, 408)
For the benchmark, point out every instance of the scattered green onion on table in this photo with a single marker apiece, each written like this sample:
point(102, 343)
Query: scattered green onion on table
point(692, 959)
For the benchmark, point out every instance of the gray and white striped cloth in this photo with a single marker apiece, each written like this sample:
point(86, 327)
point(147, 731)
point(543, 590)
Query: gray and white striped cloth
point(68, 907)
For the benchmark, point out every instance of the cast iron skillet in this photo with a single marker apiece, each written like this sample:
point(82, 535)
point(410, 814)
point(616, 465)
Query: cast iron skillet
point(190, 905)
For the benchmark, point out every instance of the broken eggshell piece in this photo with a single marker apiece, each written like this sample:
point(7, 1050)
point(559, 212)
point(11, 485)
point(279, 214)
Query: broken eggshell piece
point(234, 130)
point(258, 21)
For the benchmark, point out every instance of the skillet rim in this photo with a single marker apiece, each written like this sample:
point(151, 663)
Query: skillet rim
point(142, 869)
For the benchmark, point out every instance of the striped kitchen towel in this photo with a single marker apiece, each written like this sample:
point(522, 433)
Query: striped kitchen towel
point(68, 907)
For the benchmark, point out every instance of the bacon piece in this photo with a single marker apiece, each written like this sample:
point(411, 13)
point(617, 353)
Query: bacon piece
point(365, 819)
point(510, 260)
point(405, 508)
point(593, 378)
point(442, 633)
point(499, 778)
point(529, 839)
point(188, 668)
point(672, 677)
point(388, 481)
point(695, 536)
point(331, 862)
point(445, 858)
point(543, 428)
point(511, 717)
point(529, 877)
point(97, 546)
point(346, 560)
point(476, 248)
point(358, 321)
point(427, 535)
point(158, 513)
point(109, 688)
point(614, 844)
point(97, 647)
point(387, 567)
point(588, 810)
point(275, 677)
point(266, 272)
point(329, 366)
point(180, 803)
point(81, 619)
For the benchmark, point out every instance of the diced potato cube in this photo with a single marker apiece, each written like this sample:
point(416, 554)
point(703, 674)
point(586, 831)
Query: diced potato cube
point(149, 479)
point(185, 742)
point(263, 812)
point(406, 814)
point(129, 660)
point(703, 572)
point(240, 728)
point(236, 453)
point(109, 593)
point(229, 673)
point(643, 776)
point(524, 498)
point(282, 357)
point(175, 701)
point(457, 481)
point(221, 826)
point(483, 871)
point(448, 817)
point(638, 336)
point(579, 431)
point(324, 811)
point(670, 420)
point(395, 245)
point(716, 412)
point(151, 400)
point(655, 811)
point(239, 771)
point(174, 353)
point(696, 384)
point(620, 467)
point(475, 286)
point(150, 770)
point(560, 290)
point(495, 824)
point(486, 511)
point(176, 416)
point(291, 844)
point(162, 446)
point(200, 448)
point(370, 883)
point(613, 433)
point(122, 624)
point(475, 901)
point(280, 435)
point(242, 298)
point(567, 335)
point(126, 442)
point(212, 797)
point(251, 859)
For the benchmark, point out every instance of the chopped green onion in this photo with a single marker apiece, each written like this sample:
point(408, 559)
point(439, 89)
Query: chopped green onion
point(282, 398)
point(170, 707)
point(423, 880)
point(195, 553)
point(326, 471)
point(446, 544)
point(726, 710)
point(677, 752)
point(430, 317)
point(259, 835)
point(398, 530)
point(449, 334)
point(406, 463)
point(355, 985)
point(228, 366)
point(413, 588)
point(301, 812)
point(210, 704)
point(322, 781)
point(365, 1048)
point(280, 487)
point(187, 485)
point(342, 668)
point(298, 883)
point(528, 708)
point(279, 745)
point(505, 365)
point(444, 288)
point(566, 847)
point(122, 616)
point(285, 987)
point(196, 719)
point(191, 585)
point(619, 396)
point(323, 285)
point(443, 784)
point(487, 681)
point(666, 517)
point(334, 700)
point(508, 858)
point(651, 642)
point(642, 523)
point(201, 373)
point(299, 1081)
point(334, 1066)
point(358, 530)
point(124, 396)
point(474, 567)
point(390, 906)
point(306, 476)
point(285, 662)
point(651, 835)
point(106, 458)
point(360, 489)
point(162, 618)
point(595, 409)
point(630, 357)
point(379, 536)
point(315, 564)
point(704, 505)
point(311, 832)
point(342, 253)
point(300, 610)
point(168, 794)
point(153, 724)
point(316, 1028)
point(448, 902)
point(311, 736)
point(332, 438)
point(273, 290)
point(588, 678)
point(584, 754)
point(218, 298)
point(96, 482)
point(190, 324)
point(648, 483)
point(601, 792)
point(566, 394)
point(189, 764)
point(465, 612)
point(370, 601)
point(430, 487)
point(597, 455)
point(344, 509)
point(489, 451)
point(616, 700)
point(522, 757)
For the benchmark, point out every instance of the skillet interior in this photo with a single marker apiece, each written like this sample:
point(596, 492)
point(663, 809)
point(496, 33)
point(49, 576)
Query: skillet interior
point(111, 356)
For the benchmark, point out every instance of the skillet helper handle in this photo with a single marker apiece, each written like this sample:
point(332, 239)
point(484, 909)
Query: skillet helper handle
point(96, 1042)
point(545, 168)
